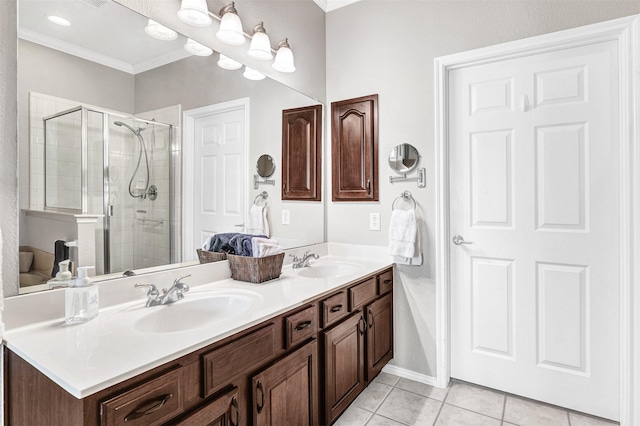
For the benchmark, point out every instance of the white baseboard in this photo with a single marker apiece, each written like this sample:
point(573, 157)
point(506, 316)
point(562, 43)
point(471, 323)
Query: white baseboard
point(411, 375)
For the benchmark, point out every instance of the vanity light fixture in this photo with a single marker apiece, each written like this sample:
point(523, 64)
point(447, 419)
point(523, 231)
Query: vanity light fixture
point(284, 58)
point(228, 64)
point(260, 47)
point(159, 31)
point(194, 12)
point(251, 74)
point(58, 20)
point(196, 48)
point(230, 31)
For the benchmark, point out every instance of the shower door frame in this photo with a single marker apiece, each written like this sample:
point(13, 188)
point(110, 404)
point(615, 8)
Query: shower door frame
point(107, 209)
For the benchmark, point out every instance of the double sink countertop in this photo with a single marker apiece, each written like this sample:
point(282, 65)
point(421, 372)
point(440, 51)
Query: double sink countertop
point(127, 339)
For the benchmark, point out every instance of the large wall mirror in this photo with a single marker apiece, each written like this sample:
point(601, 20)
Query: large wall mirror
point(104, 138)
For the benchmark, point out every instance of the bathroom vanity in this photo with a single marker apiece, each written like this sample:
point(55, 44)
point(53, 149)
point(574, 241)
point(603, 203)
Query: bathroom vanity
point(300, 355)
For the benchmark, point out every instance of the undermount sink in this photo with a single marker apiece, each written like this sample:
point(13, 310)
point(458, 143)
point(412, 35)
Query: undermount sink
point(194, 311)
point(329, 270)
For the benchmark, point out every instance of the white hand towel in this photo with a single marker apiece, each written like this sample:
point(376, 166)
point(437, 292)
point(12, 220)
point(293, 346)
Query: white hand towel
point(256, 241)
point(257, 221)
point(265, 249)
point(402, 233)
point(265, 222)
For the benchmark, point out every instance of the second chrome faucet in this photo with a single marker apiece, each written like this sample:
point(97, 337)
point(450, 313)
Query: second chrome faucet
point(303, 262)
point(173, 294)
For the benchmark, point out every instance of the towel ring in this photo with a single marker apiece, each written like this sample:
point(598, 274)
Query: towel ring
point(263, 195)
point(406, 196)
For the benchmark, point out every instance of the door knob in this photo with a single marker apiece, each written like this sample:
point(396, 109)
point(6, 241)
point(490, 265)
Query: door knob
point(458, 240)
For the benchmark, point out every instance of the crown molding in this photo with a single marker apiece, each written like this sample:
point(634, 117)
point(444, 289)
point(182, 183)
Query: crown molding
point(329, 5)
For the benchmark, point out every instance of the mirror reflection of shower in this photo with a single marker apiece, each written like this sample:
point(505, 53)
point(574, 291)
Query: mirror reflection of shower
point(143, 185)
point(102, 163)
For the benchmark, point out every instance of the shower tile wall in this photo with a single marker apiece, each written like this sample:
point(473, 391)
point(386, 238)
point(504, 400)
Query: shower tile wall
point(41, 106)
point(173, 115)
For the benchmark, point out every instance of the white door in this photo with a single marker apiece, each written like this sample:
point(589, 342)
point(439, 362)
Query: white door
point(219, 184)
point(535, 191)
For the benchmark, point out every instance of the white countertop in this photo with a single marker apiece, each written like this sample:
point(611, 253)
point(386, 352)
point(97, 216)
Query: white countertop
point(86, 358)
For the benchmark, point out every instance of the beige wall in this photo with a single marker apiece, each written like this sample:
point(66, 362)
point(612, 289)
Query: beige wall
point(388, 47)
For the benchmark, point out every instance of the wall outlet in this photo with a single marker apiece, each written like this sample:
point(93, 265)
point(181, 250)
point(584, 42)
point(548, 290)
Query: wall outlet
point(374, 221)
point(285, 217)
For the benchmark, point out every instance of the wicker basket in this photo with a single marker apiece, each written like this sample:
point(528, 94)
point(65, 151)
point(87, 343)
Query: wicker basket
point(210, 256)
point(255, 269)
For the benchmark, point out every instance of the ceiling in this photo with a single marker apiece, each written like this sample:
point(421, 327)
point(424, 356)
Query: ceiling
point(94, 36)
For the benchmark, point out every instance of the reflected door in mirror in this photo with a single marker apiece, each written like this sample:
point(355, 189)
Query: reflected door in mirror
point(301, 153)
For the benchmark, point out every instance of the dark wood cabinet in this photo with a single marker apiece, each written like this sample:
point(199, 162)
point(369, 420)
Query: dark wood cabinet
point(269, 374)
point(379, 334)
point(302, 153)
point(354, 149)
point(286, 393)
point(344, 355)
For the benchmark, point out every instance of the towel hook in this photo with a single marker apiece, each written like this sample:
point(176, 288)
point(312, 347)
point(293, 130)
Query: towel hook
point(405, 196)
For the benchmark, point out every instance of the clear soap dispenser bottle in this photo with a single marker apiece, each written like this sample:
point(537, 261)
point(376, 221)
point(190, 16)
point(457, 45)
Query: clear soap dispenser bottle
point(81, 298)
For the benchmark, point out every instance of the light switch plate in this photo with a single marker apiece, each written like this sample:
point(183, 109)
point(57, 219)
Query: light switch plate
point(285, 217)
point(374, 221)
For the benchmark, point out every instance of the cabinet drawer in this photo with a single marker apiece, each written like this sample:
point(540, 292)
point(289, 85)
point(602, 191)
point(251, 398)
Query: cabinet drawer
point(152, 403)
point(248, 352)
point(301, 326)
point(363, 293)
point(385, 282)
point(224, 410)
point(334, 308)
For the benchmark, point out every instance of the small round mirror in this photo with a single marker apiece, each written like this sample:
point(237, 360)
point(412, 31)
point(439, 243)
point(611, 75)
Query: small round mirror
point(403, 158)
point(265, 166)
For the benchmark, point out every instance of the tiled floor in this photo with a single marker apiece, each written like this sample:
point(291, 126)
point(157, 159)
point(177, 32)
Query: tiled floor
point(392, 401)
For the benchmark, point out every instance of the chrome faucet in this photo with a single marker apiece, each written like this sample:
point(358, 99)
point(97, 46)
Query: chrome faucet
point(303, 262)
point(175, 292)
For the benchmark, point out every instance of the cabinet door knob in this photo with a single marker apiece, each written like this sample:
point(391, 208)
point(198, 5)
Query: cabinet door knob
point(364, 325)
point(260, 406)
point(157, 404)
point(234, 405)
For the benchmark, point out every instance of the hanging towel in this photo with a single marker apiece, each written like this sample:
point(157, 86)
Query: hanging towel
point(258, 223)
point(402, 233)
point(416, 260)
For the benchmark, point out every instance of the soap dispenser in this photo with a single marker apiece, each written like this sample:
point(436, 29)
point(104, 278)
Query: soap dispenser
point(81, 298)
point(62, 277)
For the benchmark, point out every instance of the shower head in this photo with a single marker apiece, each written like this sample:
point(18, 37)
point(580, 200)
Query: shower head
point(135, 131)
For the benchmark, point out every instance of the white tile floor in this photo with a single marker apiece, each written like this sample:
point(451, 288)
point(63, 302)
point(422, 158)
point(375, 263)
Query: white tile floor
point(392, 401)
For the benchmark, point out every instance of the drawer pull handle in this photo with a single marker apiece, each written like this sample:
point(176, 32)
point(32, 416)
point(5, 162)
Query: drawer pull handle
point(372, 319)
point(261, 389)
point(387, 281)
point(336, 308)
point(364, 327)
point(303, 325)
point(234, 405)
point(155, 407)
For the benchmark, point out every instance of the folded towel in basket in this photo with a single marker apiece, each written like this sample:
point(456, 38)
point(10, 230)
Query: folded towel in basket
point(265, 247)
point(402, 233)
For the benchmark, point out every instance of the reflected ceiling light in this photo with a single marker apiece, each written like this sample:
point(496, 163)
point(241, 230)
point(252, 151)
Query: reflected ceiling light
point(260, 47)
point(251, 74)
point(196, 48)
point(284, 58)
point(58, 20)
point(228, 64)
point(194, 12)
point(159, 31)
point(230, 31)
